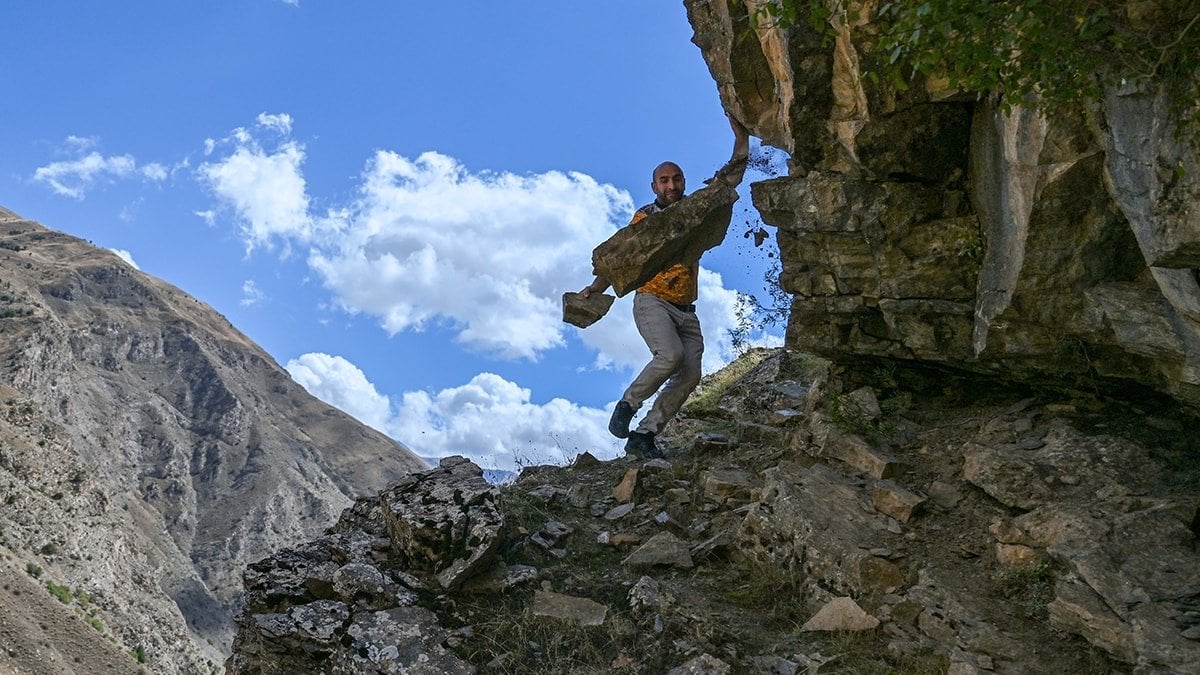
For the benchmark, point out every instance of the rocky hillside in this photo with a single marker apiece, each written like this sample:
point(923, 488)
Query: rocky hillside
point(929, 224)
point(805, 520)
point(149, 451)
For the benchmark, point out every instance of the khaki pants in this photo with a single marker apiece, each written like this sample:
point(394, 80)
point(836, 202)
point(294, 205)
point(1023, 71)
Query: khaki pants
point(674, 338)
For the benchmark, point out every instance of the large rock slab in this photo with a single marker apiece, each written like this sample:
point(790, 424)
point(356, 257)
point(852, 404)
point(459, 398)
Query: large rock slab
point(445, 521)
point(818, 519)
point(683, 231)
point(1101, 508)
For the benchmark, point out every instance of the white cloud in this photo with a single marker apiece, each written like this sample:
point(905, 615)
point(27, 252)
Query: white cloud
point(489, 254)
point(155, 171)
point(251, 294)
point(494, 422)
point(209, 216)
point(341, 384)
point(126, 256)
point(489, 419)
point(266, 190)
point(280, 123)
point(80, 144)
point(72, 178)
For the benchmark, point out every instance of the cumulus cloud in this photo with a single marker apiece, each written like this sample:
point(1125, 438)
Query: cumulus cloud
point(264, 188)
point(126, 256)
point(489, 419)
point(495, 423)
point(488, 254)
point(343, 385)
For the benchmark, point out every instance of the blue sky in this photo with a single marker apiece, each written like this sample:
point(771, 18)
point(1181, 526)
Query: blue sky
point(389, 197)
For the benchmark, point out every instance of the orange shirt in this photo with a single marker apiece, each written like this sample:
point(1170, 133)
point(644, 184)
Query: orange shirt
point(678, 283)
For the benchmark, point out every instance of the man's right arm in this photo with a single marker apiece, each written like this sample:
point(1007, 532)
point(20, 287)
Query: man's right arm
point(598, 285)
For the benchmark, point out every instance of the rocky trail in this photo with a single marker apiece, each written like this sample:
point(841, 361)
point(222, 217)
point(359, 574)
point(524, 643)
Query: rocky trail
point(803, 521)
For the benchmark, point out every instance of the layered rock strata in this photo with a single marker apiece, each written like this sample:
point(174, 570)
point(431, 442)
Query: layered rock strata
point(932, 225)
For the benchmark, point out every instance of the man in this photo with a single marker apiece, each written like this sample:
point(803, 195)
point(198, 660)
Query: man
point(664, 310)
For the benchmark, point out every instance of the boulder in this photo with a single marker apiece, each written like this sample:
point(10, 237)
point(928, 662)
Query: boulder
point(583, 312)
point(683, 231)
point(445, 521)
point(840, 614)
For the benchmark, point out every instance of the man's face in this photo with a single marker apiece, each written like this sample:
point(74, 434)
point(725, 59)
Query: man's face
point(668, 183)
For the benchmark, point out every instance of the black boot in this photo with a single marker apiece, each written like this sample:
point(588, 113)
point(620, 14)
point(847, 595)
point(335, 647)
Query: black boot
point(641, 443)
point(618, 424)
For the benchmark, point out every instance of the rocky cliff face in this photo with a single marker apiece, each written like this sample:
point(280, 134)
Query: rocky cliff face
point(149, 451)
point(928, 225)
point(804, 520)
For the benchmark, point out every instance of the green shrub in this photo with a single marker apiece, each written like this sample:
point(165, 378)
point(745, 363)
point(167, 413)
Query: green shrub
point(63, 593)
point(33, 570)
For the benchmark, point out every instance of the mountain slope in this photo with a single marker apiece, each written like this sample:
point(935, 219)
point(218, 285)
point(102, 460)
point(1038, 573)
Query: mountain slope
point(149, 450)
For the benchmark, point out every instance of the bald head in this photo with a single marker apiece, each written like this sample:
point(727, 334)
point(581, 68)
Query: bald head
point(667, 183)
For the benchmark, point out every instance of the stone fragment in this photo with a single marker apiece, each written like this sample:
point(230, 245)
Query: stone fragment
point(944, 494)
point(895, 501)
point(359, 581)
point(677, 496)
point(625, 539)
point(583, 312)
point(400, 640)
point(619, 512)
point(585, 460)
point(753, 432)
point(626, 489)
point(866, 403)
point(634, 254)
point(840, 614)
point(1005, 532)
point(786, 417)
point(546, 494)
point(582, 611)
point(548, 535)
point(712, 442)
point(725, 484)
point(645, 596)
point(500, 578)
point(879, 575)
point(1017, 555)
point(858, 453)
point(664, 549)
point(718, 543)
point(1078, 609)
point(705, 664)
point(656, 466)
